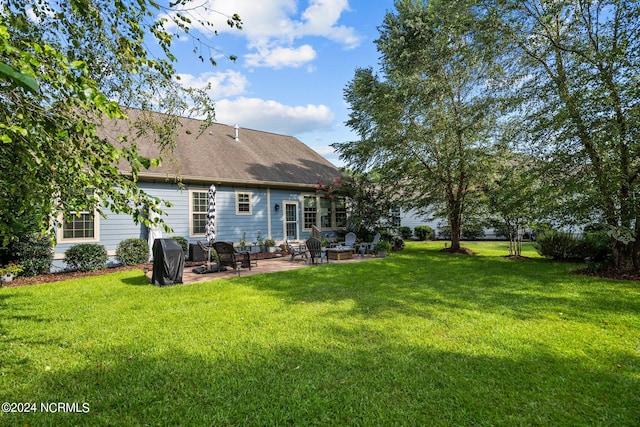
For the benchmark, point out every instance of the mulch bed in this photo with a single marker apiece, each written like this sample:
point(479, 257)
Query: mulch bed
point(65, 275)
point(610, 273)
point(462, 251)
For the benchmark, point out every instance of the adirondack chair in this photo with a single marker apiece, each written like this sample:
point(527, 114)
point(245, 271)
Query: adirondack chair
point(368, 246)
point(314, 246)
point(349, 240)
point(296, 250)
point(315, 232)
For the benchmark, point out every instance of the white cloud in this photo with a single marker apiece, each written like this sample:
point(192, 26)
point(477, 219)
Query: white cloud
point(223, 84)
point(280, 57)
point(272, 116)
point(321, 18)
point(272, 27)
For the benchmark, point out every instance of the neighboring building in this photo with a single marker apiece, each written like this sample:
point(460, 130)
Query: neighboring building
point(412, 219)
point(265, 183)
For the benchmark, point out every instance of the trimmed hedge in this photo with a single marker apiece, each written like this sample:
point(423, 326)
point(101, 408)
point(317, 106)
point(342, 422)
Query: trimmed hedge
point(424, 232)
point(556, 244)
point(472, 231)
point(182, 241)
point(405, 232)
point(86, 257)
point(133, 251)
point(35, 254)
point(594, 246)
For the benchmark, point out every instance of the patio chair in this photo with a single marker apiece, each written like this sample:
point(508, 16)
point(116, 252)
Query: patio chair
point(314, 246)
point(300, 251)
point(349, 240)
point(368, 246)
point(315, 232)
point(208, 267)
point(228, 257)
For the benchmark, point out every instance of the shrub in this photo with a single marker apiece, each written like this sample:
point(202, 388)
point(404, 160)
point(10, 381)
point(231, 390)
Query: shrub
point(405, 232)
point(182, 241)
point(133, 251)
point(424, 232)
point(381, 246)
point(86, 257)
point(444, 231)
point(398, 243)
point(472, 231)
point(34, 253)
point(557, 245)
point(595, 249)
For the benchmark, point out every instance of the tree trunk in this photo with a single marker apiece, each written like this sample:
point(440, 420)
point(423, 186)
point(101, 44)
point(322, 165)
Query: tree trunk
point(623, 256)
point(455, 221)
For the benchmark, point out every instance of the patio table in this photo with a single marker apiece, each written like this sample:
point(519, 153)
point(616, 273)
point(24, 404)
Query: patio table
point(339, 253)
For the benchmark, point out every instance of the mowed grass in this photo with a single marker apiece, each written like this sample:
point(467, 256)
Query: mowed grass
point(418, 338)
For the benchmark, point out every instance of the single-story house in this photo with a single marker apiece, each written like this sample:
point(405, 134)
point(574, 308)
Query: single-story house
point(266, 185)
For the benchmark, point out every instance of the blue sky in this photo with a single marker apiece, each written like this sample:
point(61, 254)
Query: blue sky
point(294, 60)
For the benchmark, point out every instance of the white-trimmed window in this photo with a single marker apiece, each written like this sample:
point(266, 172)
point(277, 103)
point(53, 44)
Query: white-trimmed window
point(198, 207)
point(79, 227)
point(330, 212)
point(310, 211)
point(341, 212)
point(243, 203)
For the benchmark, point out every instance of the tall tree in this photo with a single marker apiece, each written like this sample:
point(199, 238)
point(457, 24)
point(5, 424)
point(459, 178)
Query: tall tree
point(580, 92)
point(426, 122)
point(370, 206)
point(64, 67)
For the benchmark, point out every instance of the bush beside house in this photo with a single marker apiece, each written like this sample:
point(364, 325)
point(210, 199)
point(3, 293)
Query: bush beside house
point(34, 254)
point(86, 257)
point(133, 251)
point(182, 241)
point(405, 232)
point(424, 232)
point(593, 247)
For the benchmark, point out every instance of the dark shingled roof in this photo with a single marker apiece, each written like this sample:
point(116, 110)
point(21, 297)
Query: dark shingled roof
point(214, 156)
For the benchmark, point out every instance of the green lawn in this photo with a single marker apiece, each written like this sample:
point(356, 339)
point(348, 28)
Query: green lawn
point(418, 338)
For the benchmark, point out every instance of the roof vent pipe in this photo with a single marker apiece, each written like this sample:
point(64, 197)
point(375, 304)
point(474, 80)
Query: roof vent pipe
point(236, 127)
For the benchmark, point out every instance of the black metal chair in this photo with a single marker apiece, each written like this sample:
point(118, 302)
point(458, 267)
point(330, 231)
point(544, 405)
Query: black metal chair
point(314, 246)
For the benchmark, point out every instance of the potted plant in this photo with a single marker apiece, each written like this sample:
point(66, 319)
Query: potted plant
point(243, 242)
point(9, 271)
point(260, 241)
point(381, 248)
point(270, 244)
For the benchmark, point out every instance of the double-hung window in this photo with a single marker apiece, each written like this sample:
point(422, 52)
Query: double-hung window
point(310, 211)
point(243, 203)
point(198, 207)
point(80, 226)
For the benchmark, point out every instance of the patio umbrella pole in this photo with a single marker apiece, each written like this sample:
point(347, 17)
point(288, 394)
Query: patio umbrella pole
point(210, 232)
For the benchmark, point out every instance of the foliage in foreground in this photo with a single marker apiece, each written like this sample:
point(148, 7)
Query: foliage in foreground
point(418, 338)
point(65, 66)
